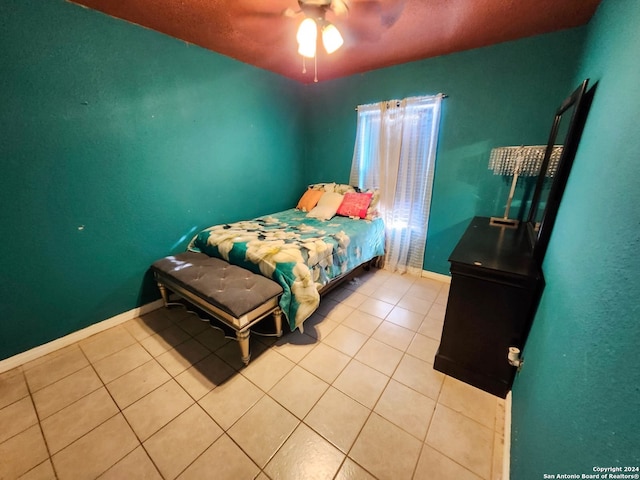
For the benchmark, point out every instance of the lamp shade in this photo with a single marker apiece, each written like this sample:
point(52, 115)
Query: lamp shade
point(520, 161)
point(523, 160)
point(331, 38)
point(307, 36)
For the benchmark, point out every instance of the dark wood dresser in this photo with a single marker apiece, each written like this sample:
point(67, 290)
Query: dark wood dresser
point(495, 289)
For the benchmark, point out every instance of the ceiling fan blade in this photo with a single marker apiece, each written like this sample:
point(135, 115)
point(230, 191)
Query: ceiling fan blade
point(365, 8)
point(340, 7)
point(257, 23)
point(391, 12)
point(367, 20)
point(262, 9)
point(290, 12)
point(363, 23)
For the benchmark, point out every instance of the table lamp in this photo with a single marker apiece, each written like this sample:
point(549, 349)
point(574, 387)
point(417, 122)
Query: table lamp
point(524, 160)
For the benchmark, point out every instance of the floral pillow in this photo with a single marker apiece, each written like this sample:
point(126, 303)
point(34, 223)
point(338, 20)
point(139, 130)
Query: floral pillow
point(335, 187)
point(355, 204)
point(325, 187)
point(372, 210)
point(343, 188)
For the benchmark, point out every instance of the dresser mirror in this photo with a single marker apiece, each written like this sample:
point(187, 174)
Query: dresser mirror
point(566, 130)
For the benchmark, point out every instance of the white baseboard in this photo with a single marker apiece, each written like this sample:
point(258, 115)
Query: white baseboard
point(436, 276)
point(506, 452)
point(58, 343)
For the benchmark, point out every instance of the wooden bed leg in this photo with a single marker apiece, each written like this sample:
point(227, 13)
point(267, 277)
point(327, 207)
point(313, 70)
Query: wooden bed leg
point(243, 340)
point(277, 318)
point(163, 292)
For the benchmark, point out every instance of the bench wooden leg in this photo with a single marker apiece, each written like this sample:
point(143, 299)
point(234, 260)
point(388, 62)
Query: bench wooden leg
point(243, 340)
point(164, 294)
point(277, 318)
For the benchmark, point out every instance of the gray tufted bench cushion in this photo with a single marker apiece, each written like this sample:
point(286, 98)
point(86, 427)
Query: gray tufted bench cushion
point(237, 297)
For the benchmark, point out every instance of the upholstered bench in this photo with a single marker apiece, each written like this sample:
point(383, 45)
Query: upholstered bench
point(235, 296)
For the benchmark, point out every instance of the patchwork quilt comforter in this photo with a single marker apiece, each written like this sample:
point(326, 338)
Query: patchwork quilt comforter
point(302, 254)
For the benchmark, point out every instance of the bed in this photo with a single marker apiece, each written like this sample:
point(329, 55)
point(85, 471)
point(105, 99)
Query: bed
point(303, 252)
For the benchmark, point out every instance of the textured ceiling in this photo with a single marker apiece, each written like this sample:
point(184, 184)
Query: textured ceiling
point(378, 33)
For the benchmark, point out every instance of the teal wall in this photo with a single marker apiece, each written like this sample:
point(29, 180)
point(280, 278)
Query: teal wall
point(576, 403)
point(117, 144)
point(500, 95)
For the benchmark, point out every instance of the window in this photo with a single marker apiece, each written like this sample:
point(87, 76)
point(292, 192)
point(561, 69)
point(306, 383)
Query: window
point(395, 151)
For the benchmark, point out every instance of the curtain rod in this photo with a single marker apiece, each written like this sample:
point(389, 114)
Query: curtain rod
point(443, 95)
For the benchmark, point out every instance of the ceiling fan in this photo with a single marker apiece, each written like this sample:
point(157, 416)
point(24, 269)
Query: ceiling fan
point(357, 20)
point(362, 20)
point(318, 7)
point(315, 12)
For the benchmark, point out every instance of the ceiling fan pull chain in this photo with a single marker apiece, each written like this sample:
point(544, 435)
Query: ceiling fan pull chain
point(315, 62)
point(304, 66)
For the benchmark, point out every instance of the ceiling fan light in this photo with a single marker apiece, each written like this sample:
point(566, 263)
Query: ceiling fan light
point(306, 36)
point(307, 49)
point(331, 38)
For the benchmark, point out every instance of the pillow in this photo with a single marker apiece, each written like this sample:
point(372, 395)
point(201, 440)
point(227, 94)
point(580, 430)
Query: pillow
point(327, 206)
point(355, 204)
point(325, 187)
point(372, 211)
point(343, 188)
point(334, 187)
point(309, 200)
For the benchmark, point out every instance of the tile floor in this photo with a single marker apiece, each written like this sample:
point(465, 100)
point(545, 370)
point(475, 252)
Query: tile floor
point(166, 396)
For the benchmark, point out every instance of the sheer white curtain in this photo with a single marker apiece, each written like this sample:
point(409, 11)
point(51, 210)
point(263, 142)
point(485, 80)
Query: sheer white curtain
point(395, 151)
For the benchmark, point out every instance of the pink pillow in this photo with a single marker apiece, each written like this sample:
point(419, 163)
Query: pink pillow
point(355, 205)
